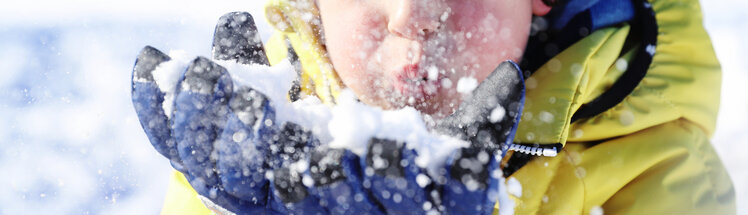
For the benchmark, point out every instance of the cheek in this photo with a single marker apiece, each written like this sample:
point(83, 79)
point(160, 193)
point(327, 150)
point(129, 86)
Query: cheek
point(352, 37)
point(494, 32)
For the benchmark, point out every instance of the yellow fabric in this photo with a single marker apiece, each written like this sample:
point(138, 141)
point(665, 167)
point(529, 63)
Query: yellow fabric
point(277, 51)
point(298, 20)
point(650, 154)
point(181, 198)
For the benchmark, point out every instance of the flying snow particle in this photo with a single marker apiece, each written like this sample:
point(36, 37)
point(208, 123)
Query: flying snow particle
point(307, 181)
point(554, 65)
point(427, 206)
point(446, 83)
point(545, 116)
point(626, 118)
point(578, 133)
point(422, 180)
point(239, 136)
point(433, 72)
point(444, 16)
point(580, 172)
point(651, 49)
point(596, 210)
point(497, 114)
point(397, 198)
point(466, 85)
point(622, 64)
point(576, 69)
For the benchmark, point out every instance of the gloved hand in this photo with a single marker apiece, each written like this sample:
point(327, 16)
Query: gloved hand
point(227, 143)
point(488, 119)
point(211, 120)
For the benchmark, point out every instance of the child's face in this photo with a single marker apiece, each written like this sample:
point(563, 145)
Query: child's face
point(395, 53)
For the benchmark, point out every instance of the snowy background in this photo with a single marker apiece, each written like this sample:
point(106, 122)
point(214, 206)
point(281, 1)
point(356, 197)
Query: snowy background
point(70, 142)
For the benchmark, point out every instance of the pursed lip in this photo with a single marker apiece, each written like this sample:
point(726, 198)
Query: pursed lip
point(414, 82)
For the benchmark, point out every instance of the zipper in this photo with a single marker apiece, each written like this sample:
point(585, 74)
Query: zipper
point(547, 151)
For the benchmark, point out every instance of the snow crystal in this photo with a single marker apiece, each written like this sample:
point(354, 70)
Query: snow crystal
point(506, 203)
point(576, 69)
point(545, 116)
point(596, 210)
point(385, 194)
point(446, 83)
point(466, 85)
point(239, 136)
point(580, 172)
point(514, 187)
point(422, 180)
point(405, 125)
point(578, 133)
point(622, 64)
point(433, 72)
point(167, 75)
point(531, 83)
point(427, 205)
point(274, 81)
point(444, 16)
point(626, 118)
point(497, 114)
point(651, 49)
point(397, 198)
point(307, 181)
point(554, 65)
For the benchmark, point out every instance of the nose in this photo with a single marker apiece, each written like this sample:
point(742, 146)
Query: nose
point(412, 19)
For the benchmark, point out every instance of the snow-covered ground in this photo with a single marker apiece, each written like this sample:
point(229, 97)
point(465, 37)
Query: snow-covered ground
point(70, 142)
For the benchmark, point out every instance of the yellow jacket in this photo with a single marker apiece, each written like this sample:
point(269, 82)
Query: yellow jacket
point(649, 154)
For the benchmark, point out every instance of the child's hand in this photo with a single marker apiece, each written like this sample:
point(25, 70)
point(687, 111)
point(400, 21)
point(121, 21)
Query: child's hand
point(489, 116)
point(216, 136)
point(227, 143)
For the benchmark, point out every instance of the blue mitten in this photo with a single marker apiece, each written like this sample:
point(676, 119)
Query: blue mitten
point(210, 135)
point(488, 119)
point(388, 181)
point(226, 141)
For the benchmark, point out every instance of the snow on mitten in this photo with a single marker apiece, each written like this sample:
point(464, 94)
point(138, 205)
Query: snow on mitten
point(488, 119)
point(338, 183)
point(241, 147)
point(394, 179)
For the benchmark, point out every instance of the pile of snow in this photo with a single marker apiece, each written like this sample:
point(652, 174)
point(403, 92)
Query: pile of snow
point(347, 125)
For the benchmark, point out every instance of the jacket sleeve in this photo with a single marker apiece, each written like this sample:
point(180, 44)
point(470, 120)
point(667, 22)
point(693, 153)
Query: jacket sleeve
point(666, 169)
point(182, 199)
point(690, 180)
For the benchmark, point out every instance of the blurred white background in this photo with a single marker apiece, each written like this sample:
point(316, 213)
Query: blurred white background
point(70, 142)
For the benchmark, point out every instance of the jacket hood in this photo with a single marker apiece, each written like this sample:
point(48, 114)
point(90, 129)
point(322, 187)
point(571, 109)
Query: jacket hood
point(679, 77)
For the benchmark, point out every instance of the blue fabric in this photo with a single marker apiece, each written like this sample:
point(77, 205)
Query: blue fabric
point(602, 13)
point(610, 12)
point(226, 160)
point(349, 195)
point(240, 175)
